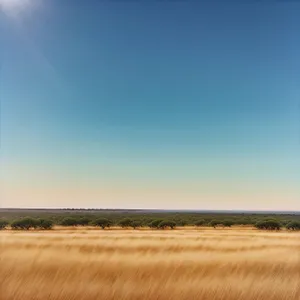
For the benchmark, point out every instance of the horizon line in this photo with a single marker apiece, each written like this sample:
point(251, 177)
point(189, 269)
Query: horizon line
point(152, 209)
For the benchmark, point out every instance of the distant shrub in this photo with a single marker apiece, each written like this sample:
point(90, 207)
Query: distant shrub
point(25, 224)
point(181, 222)
point(136, 223)
point(227, 223)
point(102, 222)
point(45, 224)
point(126, 222)
point(200, 222)
point(84, 221)
point(243, 222)
point(294, 225)
point(268, 224)
point(155, 223)
point(285, 222)
point(214, 223)
point(3, 224)
point(16, 224)
point(148, 222)
point(69, 221)
point(167, 224)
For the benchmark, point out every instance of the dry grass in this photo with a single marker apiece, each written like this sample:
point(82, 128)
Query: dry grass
point(181, 264)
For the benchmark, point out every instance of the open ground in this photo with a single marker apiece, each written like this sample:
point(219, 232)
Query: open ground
point(189, 263)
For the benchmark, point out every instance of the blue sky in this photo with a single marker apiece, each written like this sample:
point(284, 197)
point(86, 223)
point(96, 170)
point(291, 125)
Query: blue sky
point(150, 104)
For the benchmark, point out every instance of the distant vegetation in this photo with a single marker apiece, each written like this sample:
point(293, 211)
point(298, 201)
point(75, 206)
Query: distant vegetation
point(268, 224)
point(31, 223)
point(3, 224)
point(102, 222)
point(293, 225)
point(46, 219)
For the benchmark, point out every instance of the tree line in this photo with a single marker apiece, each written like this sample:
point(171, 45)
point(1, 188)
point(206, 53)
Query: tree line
point(26, 223)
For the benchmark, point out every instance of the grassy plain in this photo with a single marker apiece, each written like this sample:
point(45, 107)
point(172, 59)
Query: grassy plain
point(89, 264)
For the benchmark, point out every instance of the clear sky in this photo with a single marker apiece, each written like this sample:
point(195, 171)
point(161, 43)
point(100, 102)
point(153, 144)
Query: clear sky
point(150, 104)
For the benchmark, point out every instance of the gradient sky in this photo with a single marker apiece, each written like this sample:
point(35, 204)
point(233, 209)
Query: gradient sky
point(169, 104)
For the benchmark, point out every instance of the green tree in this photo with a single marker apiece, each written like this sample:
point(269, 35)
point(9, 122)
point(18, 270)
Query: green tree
point(200, 222)
point(167, 224)
point(69, 221)
point(214, 223)
point(293, 225)
point(242, 221)
point(227, 223)
point(136, 223)
point(155, 223)
point(83, 221)
point(269, 224)
point(25, 223)
point(181, 222)
point(102, 222)
point(45, 224)
point(3, 224)
point(126, 222)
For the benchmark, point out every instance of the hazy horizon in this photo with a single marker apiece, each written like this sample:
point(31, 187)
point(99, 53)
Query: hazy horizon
point(167, 105)
point(153, 210)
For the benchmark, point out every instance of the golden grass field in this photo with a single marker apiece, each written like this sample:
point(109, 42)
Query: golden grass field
point(87, 264)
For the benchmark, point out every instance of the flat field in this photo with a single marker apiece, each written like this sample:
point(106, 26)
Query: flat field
point(207, 263)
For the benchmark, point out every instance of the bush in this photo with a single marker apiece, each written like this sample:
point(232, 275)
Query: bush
point(200, 222)
point(155, 223)
point(214, 223)
point(102, 222)
point(136, 224)
point(126, 222)
point(268, 224)
point(45, 224)
point(227, 223)
point(285, 222)
point(243, 222)
point(181, 222)
point(16, 224)
point(294, 225)
point(69, 221)
point(84, 221)
point(167, 224)
point(3, 224)
point(25, 223)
